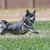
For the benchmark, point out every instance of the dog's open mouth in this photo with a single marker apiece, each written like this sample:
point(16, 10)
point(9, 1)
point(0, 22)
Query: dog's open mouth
point(31, 21)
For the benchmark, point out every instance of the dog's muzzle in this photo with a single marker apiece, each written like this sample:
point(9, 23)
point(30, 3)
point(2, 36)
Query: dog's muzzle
point(32, 19)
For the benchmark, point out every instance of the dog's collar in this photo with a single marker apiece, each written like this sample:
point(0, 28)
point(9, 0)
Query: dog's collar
point(26, 24)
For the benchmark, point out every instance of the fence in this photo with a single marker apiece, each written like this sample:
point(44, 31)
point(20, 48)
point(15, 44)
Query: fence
point(24, 3)
point(16, 3)
point(42, 3)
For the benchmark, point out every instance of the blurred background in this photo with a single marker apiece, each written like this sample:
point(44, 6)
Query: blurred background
point(24, 3)
point(14, 10)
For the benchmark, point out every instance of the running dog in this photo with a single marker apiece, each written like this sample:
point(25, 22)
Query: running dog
point(20, 27)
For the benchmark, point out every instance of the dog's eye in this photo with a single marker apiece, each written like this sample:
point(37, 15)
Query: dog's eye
point(31, 15)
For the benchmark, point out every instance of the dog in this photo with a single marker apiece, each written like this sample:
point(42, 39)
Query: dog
point(20, 27)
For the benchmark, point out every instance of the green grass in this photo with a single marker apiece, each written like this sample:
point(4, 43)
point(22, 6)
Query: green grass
point(42, 25)
point(25, 44)
point(29, 43)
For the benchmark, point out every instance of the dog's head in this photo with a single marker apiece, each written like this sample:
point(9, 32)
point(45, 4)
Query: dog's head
point(29, 17)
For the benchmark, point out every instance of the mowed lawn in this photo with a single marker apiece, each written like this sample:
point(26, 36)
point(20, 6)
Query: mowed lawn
point(29, 41)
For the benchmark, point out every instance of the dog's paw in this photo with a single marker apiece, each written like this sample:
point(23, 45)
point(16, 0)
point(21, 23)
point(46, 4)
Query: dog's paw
point(37, 32)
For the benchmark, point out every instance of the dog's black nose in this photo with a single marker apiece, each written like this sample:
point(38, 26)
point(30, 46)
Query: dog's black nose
point(34, 19)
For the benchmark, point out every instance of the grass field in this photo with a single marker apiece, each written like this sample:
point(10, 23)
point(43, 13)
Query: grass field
point(29, 41)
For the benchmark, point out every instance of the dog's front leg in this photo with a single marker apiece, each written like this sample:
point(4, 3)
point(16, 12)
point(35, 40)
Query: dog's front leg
point(33, 31)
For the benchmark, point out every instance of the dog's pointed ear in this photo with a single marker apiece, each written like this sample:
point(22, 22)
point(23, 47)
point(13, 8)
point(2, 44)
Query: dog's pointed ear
point(27, 12)
point(34, 11)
